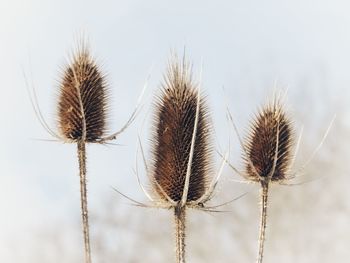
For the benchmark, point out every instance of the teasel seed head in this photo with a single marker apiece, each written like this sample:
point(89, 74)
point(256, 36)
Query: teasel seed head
point(82, 104)
point(174, 125)
point(269, 144)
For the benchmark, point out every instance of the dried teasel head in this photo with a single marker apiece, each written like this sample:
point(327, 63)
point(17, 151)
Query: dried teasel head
point(82, 101)
point(269, 145)
point(174, 125)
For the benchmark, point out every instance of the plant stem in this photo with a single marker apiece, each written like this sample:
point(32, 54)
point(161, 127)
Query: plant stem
point(180, 217)
point(83, 199)
point(264, 196)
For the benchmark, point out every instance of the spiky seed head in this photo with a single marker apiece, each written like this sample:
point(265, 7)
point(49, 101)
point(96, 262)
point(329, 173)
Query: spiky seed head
point(174, 125)
point(82, 99)
point(271, 131)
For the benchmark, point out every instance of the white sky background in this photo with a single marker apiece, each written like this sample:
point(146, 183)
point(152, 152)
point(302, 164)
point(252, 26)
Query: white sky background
point(245, 47)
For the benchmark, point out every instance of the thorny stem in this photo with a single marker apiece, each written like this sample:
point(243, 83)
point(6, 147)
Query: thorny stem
point(264, 196)
point(180, 218)
point(83, 199)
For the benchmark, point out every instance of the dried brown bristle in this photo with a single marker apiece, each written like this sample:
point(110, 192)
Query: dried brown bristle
point(271, 131)
point(174, 125)
point(82, 100)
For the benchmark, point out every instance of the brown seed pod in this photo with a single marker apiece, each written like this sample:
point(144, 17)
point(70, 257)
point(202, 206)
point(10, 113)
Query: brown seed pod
point(268, 156)
point(82, 100)
point(269, 145)
point(82, 118)
point(81, 113)
point(174, 127)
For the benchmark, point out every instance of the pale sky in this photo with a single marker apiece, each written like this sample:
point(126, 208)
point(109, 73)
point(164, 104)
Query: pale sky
point(245, 47)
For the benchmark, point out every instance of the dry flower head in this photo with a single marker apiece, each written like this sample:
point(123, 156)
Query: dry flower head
point(83, 98)
point(269, 145)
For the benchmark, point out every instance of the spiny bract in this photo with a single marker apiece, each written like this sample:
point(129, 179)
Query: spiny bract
point(271, 131)
point(174, 125)
point(82, 99)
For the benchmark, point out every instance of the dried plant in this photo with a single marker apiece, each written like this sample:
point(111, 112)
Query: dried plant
point(82, 100)
point(180, 173)
point(267, 155)
point(181, 148)
point(82, 116)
